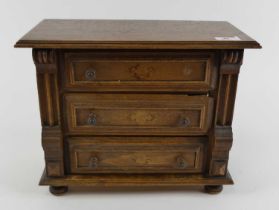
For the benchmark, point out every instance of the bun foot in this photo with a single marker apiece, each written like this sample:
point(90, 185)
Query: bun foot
point(213, 189)
point(58, 190)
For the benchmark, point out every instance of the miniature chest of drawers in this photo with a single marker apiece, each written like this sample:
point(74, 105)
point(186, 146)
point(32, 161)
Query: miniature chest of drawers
point(132, 103)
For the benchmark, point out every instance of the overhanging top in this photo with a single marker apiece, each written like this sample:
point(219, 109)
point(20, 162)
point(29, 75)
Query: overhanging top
point(136, 34)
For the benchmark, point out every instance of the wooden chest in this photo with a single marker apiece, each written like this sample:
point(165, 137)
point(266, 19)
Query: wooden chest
point(136, 103)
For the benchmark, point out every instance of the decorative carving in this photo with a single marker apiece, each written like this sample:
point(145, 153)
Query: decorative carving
point(53, 168)
point(187, 70)
point(221, 143)
point(141, 117)
point(231, 60)
point(141, 72)
point(46, 56)
point(232, 57)
point(140, 159)
point(219, 168)
point(52, 139)
point(229, 69)
point(225, 102)
point(52, 142)
point(49, 101)
point(45, 61)
point(221, 136)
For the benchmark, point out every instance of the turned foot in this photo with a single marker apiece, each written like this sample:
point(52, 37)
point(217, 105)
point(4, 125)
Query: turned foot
point(213, 189)
point(58, 190)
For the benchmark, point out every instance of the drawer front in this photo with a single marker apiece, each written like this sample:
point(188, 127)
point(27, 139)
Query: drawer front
point(136, 155)
point(117, 114)
point(137, 72)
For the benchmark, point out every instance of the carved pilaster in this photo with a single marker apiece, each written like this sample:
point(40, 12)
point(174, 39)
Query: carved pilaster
point(46, 65)
point(47, 81)
point(221, 136)
point(221, 142)
point(52, 142)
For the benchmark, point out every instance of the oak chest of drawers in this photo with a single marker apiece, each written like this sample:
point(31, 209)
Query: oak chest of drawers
point(136, 103)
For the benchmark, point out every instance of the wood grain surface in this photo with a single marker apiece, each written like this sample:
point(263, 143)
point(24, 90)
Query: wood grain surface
point(147, 34)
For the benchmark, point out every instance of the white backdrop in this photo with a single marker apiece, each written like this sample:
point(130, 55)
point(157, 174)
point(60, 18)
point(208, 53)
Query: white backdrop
point(254, 157)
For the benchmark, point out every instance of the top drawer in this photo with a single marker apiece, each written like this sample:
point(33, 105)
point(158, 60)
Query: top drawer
point(139, 71)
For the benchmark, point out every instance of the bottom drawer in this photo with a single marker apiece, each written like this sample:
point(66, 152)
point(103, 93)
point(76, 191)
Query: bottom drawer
point(136, 154)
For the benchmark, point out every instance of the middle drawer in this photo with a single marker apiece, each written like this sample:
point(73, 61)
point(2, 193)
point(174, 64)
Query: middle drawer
point(137, 114)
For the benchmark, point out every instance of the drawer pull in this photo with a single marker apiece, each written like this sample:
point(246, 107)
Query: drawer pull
point(186, 122)
point(90, 74)
point(92, 119)
point(181, 163)
point(93, 163)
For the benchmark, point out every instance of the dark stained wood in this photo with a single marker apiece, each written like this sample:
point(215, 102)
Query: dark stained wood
point(140, 71)
point(147, 34)
point(213, 189)
point(136, 103)
point(52, 136)
point(137, 114)
point(221, 136)
point(136, 155)
point(58, 190)
point(136, 180)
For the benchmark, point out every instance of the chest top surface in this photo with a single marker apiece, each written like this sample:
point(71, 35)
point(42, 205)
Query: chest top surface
point(137, 34)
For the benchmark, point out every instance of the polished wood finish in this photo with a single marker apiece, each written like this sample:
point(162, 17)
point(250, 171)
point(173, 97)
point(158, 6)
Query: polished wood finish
point(135, 34)
point(58, 190)
point(213, 189)
point(136, 180)
point(136, 155)
point(221, 136)
point(137, 114)
point(46, 62)
point(136, 103)
point(140, 71)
